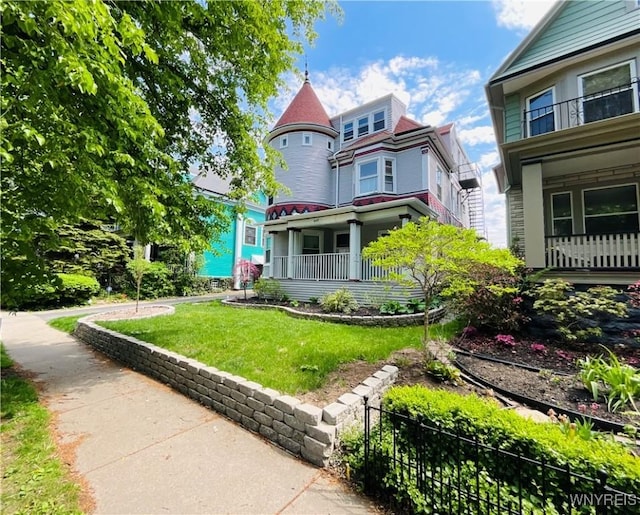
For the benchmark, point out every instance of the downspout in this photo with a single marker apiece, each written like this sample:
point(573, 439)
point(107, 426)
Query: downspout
point(338, 162)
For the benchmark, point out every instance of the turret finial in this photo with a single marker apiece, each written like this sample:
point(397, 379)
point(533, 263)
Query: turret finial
point(306, 69)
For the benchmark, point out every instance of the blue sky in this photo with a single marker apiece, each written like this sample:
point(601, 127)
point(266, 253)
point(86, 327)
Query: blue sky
point(436, 56)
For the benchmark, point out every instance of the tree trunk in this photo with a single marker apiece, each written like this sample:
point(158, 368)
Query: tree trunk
point(138, 292)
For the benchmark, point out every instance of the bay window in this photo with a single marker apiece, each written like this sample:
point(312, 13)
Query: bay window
point(376, 175)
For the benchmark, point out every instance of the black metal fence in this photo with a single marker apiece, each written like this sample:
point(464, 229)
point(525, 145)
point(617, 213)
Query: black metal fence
point(423, 468)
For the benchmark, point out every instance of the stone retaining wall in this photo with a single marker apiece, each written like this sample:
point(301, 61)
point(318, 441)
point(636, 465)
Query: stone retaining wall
point(303, 429)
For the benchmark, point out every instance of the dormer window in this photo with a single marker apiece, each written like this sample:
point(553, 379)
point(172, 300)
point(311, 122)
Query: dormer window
point(306, 138)
point(378, 121)
point(284, 141)
point(347, 131)
point(363, 126)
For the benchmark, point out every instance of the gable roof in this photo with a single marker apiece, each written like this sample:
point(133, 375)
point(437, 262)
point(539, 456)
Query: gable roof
point(570, 28)
point(304, 108)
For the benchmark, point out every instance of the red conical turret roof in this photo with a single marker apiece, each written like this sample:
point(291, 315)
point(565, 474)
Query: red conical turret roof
point(305, 108)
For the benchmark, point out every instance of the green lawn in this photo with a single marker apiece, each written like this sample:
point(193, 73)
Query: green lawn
point(66, 324)
point(34, 480)
point(269, 347)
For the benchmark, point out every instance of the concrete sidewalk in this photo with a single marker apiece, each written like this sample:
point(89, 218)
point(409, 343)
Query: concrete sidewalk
point(144, 448)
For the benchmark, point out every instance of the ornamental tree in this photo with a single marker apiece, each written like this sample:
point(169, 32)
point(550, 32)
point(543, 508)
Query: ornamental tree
point(108, 106)
point(246, 272)
point(439, 258)
point(138, 266)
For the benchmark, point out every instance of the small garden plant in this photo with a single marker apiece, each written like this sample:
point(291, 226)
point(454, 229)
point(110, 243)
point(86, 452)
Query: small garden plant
point(340, 301)
point(618, 382)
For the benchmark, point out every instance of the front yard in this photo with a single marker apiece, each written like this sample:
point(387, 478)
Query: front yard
point(269, 347)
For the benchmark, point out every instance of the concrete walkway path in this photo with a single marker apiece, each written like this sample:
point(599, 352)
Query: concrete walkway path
point(143, 448)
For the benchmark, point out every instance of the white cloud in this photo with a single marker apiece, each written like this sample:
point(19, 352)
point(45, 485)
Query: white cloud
point(520, 14)
point(477, 135)
point(489, 160)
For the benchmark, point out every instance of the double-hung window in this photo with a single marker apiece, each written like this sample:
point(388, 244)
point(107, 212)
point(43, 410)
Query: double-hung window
point(541, 113)
point(250, 234)
point(368, 177)
point(363, 126)
point(439, 183)
point(608, 92)
point(389, 176)
point(378, 121)
point(561, 214)
point(611, 210)
point(347, 131)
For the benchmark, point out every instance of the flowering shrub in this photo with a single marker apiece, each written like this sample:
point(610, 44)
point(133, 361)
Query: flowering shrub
point(495, 303)
point(538, 347)
point(567, 356)
point(506, 339)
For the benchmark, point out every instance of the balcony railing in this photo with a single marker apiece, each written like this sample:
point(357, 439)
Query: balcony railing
point(593, 251)
point(604, 104)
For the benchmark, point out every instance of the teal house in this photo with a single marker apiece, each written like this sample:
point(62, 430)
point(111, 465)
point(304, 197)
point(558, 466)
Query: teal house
point(244, 239)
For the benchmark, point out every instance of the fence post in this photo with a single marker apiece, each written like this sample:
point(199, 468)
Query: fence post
point(601, 485)
point(366, 443)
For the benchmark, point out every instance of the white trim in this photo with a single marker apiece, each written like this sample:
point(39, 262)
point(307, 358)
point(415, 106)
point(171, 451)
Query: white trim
point(571, 217)
point(553, 106)
point(394, 175)
point(306, 135)
point(360, 163)
point(284, 141)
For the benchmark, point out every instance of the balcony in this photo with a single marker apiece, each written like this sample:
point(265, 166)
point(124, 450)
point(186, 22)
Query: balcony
point(594, 251)
point(605, 104)
point(469, 176)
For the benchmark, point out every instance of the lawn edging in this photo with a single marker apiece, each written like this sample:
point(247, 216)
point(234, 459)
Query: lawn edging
point(302, 429)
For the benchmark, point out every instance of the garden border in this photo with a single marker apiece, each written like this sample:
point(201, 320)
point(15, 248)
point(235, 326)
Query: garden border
point(303, 429)
point(362, 320)
point(599, 423)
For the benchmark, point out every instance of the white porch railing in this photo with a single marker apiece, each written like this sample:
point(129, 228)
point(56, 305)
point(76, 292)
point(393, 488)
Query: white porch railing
point(322, 267)
point(593, 251)
point(325, 267)
point(371, 272)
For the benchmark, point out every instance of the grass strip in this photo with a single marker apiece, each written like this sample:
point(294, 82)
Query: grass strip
point(34, 480)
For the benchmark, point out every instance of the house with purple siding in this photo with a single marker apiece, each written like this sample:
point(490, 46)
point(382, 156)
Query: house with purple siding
point(350, 179)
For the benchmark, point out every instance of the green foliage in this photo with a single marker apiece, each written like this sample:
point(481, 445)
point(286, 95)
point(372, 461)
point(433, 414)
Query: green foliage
point(97, 115)
point(314, 300)
point(572, 311)
point(5, 359)
point(156, 282)
point(618, 382)
point(440, 258)
point(62, 290)
point(268, 289)
point(34, 480)
point(137, 267)
point(472, 417)
point(495, 302)
point(442, 371)
point(417, 305)
point(393, 307)
point(340, 301)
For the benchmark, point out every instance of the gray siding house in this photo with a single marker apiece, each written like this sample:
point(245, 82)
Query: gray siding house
point(565, 107)
point(349, 180)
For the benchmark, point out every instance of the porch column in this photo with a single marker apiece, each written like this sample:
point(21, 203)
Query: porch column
point(355, 270)
point(291, 233)
point(533, 211)
point(405, 219)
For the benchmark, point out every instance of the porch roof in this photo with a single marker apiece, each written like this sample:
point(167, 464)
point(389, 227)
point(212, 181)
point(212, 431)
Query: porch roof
point(391, 210)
